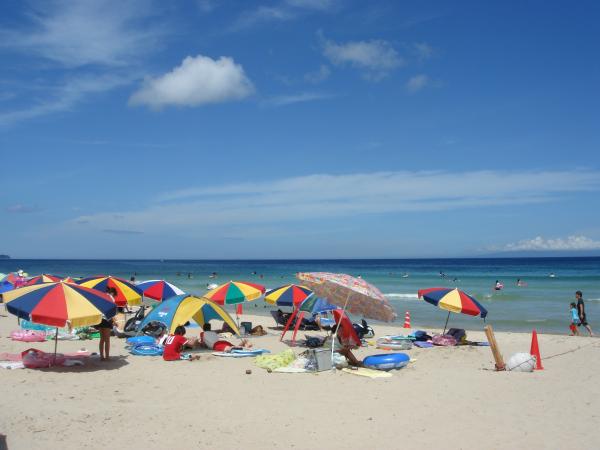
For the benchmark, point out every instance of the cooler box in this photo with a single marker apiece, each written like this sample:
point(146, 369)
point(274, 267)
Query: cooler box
point(322, 357)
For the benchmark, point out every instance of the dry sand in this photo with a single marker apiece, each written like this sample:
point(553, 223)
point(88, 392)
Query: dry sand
point(448, 398)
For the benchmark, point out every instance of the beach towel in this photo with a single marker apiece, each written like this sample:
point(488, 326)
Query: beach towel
point(366, 372)
point(422, 344)
point(272, 362)
point(242, 353)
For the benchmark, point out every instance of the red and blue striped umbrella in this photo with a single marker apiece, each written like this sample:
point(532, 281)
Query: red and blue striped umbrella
point(59, 304)
point(159, 289)
point(288, 295)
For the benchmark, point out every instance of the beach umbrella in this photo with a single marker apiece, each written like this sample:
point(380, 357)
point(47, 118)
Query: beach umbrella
point(60, 304)
point(15, 279)
point(159, 289)
point(312, 305)
point(353, 294)
point(180, 309)
point(43, 278)
point(453, 300)
point(235, 292)
point(289, 295)
point(127, 293)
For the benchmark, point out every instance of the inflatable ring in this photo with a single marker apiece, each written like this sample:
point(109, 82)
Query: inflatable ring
point(147, 350)
point(387, 362)
point(135, 340)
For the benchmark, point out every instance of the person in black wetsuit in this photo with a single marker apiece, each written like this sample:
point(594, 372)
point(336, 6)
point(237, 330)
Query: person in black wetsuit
point(581, 312)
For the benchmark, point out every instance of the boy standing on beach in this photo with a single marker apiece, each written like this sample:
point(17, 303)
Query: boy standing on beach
point(581, 312)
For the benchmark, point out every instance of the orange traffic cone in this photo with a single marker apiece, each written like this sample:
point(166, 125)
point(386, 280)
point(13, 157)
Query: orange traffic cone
point(407, 319)
point(535, 351)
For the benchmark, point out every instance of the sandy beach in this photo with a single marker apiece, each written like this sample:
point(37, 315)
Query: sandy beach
point(448, 397)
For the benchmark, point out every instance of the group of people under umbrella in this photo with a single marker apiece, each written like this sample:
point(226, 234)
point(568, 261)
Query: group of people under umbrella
point(64, 302)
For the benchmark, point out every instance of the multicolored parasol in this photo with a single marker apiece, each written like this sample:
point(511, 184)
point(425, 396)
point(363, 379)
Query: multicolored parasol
point(58, 304)
point(43, 278)
point(453, 300)
point(159, 289)
point(235, 292)
point(288, 295)
point(127, 293)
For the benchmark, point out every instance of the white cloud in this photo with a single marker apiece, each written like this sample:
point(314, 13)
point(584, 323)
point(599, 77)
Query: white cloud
point(423, 50)
point(559, 244)
point(281, 11)
point(336, 196)
point(65, 96)
point(105, 32)
point(284, 100)
point(262, 14)
point(319, 5)
point(416, 83)
point(319, 75)
point(376, 57)
point(197, 81)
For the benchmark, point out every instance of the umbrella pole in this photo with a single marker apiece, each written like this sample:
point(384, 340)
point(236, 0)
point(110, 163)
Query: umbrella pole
point(55, 346)
point(336, 332)
point(446, 324)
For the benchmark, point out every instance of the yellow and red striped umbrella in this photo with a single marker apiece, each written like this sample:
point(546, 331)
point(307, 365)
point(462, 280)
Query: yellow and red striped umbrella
point(59, 304)
point(127, 293)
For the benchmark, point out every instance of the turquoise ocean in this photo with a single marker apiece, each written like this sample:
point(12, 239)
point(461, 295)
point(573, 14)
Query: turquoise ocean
point(542, 304)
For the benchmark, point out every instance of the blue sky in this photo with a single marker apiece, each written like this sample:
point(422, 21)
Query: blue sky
point(298, 128)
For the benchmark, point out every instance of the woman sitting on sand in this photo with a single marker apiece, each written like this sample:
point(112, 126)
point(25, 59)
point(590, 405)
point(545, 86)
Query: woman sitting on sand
point(210, 339)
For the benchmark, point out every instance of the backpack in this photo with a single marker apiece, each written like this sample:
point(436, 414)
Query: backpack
point(458, 333)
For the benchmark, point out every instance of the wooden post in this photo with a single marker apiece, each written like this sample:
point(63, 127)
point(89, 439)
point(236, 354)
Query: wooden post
point(489, 332)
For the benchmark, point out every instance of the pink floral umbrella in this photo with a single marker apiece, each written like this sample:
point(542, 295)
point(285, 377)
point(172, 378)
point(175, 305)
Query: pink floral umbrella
point(353, 294)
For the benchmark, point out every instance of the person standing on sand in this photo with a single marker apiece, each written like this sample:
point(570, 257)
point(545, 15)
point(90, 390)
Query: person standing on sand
point(105, 327)
point(581, 312)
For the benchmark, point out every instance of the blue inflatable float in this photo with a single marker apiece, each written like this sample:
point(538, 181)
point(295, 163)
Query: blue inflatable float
point(143, 339)
point(387, 361)
point(147, 350)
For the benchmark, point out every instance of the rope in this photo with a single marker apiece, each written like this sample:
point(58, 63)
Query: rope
point(570, 351)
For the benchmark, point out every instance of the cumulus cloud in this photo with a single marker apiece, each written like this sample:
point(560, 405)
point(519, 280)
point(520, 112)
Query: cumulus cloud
point(559, 244)
point(375, 57)
point(323, 196)
point(416, 83)
point(197, 81)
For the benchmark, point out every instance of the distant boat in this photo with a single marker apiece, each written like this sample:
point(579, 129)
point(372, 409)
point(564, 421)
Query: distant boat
point(404, 275)
point(552, 275)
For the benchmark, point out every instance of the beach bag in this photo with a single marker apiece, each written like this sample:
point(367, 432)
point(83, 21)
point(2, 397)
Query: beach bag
point(458, 333)
point(314, 342)
point(421, 335)
point(443, 340)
